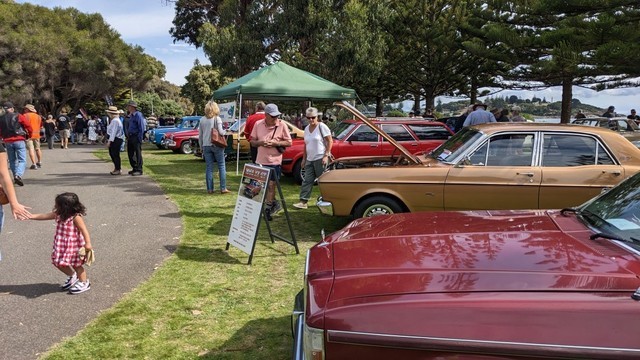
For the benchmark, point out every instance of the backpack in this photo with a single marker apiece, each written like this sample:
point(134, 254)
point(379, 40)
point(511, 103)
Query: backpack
point(10, 126)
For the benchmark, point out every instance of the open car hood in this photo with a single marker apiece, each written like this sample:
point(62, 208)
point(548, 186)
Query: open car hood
point(479, 251)
point(402, 150)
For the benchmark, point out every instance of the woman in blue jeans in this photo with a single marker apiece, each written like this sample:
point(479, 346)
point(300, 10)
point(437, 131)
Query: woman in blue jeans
point(210, 152)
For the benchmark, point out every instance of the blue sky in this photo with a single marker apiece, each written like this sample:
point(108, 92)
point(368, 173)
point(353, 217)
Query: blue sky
point(147, 23)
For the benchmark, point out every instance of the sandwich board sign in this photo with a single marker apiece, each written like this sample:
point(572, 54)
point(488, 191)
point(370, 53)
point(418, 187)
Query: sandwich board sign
point(250, 209)
point(246, 215)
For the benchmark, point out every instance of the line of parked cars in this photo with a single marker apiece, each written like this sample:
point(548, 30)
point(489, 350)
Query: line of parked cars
point(495, 278)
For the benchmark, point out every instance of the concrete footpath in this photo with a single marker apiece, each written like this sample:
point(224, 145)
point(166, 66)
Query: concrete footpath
point(133, 228)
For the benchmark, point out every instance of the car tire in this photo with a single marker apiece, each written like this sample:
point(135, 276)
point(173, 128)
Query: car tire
point(159, 146)
point(298, 172)
point(377, 205)
point(185, 148)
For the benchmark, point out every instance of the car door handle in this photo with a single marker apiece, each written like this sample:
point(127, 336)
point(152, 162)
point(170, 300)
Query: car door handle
point(373, 145)
point(614, 172)
point(529, 174)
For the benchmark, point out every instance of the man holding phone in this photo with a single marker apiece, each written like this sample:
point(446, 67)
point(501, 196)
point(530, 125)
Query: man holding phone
point(271, 136)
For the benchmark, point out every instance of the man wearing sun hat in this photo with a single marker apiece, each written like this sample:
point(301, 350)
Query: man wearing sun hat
point(479, 115)
point(135, 134)
point(33, 141)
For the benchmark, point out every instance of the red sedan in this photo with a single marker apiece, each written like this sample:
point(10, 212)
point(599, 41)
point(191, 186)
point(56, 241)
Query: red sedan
point(526, 284)
point(354, 138)
point(178, 142)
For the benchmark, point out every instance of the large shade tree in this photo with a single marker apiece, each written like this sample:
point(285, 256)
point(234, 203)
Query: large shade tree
point(66, 58)
point(567, 43)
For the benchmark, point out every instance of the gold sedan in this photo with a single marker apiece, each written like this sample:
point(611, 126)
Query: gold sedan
point(489, 166)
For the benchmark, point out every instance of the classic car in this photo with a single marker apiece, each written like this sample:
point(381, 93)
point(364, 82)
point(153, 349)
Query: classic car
point(626, 127)
point(488, 166)
point(187, 123)
point(178, 141)
point(490, 284)
point(355, 138)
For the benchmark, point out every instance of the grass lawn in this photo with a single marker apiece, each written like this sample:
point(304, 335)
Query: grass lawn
point(204, 302)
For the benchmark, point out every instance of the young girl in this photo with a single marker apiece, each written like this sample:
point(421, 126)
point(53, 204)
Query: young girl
point(71, 235)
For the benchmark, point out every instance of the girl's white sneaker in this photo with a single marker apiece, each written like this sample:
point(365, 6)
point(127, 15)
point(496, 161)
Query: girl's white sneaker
point(71, 280)
point(80, 287)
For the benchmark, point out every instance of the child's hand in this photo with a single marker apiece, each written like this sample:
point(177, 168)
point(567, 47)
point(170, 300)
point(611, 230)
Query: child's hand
point(88, 247)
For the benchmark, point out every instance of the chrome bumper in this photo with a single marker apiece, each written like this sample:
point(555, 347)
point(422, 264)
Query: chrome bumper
point(297, 327)
point(325, 207)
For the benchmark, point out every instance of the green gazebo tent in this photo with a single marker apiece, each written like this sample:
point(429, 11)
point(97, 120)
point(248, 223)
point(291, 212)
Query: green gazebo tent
point(282, 81)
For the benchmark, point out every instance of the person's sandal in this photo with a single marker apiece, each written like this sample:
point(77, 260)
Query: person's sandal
point(225, 191)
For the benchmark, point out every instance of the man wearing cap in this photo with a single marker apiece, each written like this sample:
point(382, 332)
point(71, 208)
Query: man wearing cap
point(580, 115)
point(515, 115)
point(33, 142)
point(633, 116)
point(15, 129)
point(64, 128)
point(271, 136)
point(248, 127)
point(479, 115)
point(135, 134)
point(611, 112)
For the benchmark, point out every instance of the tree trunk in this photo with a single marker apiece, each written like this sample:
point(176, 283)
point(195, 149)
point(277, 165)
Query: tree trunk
point(567, 95)
point(379, 105)
point(416, 102)
point(474, 91)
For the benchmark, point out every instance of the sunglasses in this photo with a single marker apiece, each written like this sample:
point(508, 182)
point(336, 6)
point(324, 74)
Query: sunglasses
point(311, 117)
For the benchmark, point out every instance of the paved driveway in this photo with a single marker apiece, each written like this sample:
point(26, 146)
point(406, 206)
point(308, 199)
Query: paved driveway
point(133, 228)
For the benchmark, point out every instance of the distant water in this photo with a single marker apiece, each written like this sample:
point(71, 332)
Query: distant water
point(547, 120)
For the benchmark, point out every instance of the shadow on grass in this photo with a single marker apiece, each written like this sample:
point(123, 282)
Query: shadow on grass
point(267, 339)
point(205, 254)
point(30, 291)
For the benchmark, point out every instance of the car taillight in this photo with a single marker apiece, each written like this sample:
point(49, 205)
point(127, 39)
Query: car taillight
point(313, 343)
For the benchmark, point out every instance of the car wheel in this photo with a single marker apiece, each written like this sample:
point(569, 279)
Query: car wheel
point(185, 148)
point(159, 146)
point(298, 172)
point(377, 205)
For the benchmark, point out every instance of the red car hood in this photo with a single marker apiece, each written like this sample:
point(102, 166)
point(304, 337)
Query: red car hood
point(479, 251)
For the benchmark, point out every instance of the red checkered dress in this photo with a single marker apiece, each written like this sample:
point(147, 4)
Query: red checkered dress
point(67, 242)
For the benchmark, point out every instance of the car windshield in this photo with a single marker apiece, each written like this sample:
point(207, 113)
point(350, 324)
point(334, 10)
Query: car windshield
point(343, 129)
point(456, 145)
point(234, 127)
point(616, 212)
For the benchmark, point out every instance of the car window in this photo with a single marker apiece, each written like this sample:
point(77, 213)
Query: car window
point(343, 129)
point(457, 145)
point(426, 132)
point(505, 150)
point(363, 133)
point(397, 132)
point(572, 150)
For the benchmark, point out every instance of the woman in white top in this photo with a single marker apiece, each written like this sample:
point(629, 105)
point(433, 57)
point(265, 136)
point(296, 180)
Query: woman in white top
point(210, 152)
point(316, 155)
point(115, 133)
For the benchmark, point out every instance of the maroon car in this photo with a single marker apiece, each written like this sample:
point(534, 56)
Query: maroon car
point(553, 284)
point(354, 138)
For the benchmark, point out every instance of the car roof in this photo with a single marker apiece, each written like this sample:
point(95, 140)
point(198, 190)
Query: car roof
point(490, 128)
point(397, 120)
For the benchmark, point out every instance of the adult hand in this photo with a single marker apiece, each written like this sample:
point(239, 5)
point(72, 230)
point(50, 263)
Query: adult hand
point(20, 211)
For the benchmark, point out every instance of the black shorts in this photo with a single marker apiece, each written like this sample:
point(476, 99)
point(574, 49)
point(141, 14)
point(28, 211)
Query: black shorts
point(276, 172)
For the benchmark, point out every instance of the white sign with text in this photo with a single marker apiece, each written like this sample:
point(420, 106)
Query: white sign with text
point(246, 216)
